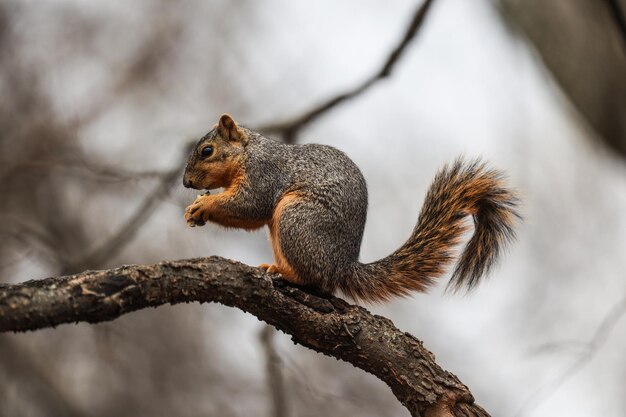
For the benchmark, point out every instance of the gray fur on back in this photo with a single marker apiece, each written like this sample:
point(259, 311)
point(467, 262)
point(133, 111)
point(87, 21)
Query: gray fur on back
point(321, 233)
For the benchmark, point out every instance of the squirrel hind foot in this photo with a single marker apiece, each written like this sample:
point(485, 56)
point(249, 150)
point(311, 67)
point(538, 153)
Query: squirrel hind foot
point(287, 273)
point(271, 269)
point(287, 276)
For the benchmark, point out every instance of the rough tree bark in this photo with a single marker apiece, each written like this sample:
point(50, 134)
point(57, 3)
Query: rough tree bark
point(330, 326)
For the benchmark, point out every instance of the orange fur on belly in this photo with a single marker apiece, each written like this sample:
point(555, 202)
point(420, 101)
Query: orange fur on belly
point(281, 265)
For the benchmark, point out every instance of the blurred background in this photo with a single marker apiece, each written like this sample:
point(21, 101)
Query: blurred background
point(99, 101)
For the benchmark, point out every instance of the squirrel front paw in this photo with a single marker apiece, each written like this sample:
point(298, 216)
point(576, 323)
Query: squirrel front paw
point(196, 214)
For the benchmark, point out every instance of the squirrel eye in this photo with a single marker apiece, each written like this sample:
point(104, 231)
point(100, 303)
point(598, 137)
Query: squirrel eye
point(207, 151)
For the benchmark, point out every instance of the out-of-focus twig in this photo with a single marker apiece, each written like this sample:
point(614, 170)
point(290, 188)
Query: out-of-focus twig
point(94, 171)
point(55, 398)
point(141, 72)
point(591, 348)
point(16, 228)
point(273, 367)
point(124, 234)
point(290, 128)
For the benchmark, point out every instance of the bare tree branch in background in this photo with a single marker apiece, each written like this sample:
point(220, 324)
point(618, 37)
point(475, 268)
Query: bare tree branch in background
point(329, 326)
point(582, 43)
point(141, 72)
point(94, 170)
point(589, 350)
point(41, 381)
point(42, 161)
point(289, 129)
point(127, 231)
point(30, 121)
point(275, 379)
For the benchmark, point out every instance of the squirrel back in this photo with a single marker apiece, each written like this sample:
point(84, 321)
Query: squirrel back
point(313, 198)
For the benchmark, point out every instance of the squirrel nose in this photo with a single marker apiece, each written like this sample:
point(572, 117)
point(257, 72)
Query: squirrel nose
point(187, 183)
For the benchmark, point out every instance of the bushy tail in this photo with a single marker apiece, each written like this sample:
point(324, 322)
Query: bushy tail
point(457, 191)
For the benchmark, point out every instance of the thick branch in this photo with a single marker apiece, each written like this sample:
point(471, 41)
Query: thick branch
point(330, 326)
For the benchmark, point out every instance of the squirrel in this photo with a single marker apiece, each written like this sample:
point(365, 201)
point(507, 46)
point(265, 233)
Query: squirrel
point(314, 200)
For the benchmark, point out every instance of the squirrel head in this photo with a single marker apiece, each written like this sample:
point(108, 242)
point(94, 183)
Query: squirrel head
point(217, 159)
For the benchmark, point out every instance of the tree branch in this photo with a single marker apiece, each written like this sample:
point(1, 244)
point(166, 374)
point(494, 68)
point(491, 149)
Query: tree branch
point(290, 129)
point(329, 326)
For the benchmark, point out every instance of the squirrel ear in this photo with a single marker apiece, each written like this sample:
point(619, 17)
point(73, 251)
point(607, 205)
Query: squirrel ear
point(229, 129)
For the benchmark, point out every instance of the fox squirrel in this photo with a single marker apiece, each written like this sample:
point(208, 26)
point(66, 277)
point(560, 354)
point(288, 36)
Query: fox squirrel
point(314, 200)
